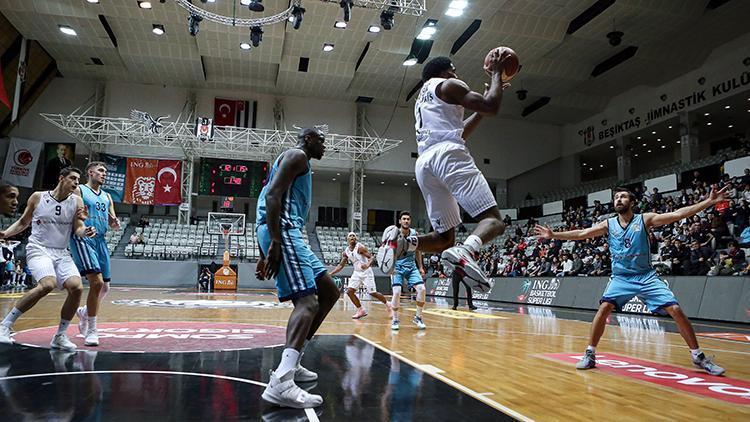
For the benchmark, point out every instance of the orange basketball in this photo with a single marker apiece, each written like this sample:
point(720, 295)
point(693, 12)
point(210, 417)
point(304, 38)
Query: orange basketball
point(511, 64)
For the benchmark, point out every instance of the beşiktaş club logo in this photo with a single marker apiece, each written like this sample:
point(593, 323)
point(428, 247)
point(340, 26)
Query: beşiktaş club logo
point(688, 380)
point(207, 304)
point(539, 291)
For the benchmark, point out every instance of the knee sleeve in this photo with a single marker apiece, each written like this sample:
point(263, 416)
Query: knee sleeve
point(396, 296)
point(421, 292)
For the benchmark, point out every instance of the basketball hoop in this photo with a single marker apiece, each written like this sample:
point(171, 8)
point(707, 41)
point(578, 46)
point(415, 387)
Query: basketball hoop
point(226, 225)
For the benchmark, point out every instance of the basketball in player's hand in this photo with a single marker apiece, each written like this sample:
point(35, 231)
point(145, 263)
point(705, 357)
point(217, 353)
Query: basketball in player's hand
point(509, 62)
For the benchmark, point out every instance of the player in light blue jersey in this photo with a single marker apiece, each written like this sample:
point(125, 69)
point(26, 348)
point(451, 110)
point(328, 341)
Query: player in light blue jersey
point(300, 276)
point(408, 268)
point(91, 255)
point(632, 273)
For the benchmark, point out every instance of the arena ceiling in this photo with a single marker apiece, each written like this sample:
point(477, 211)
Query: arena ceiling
point(672, 36)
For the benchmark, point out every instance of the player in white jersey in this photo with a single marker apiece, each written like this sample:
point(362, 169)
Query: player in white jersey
point(446, 173)
point(361, 260)
point(53, 216)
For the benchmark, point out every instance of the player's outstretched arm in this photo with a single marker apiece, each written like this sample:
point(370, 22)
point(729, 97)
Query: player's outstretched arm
point(22, 223)
point(293, 164)
point(341, 265)
point(655, 220)
point(599, 229)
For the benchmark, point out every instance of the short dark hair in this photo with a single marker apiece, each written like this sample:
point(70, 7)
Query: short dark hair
point(435, 67)
point(403, 213)
point(619, 189)
point(307, 131)
point(70, 169)
point(5, 185)
point(93, 164)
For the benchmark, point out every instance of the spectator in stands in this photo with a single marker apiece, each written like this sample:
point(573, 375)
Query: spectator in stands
point(719, 229)
point(204, 280)
point(577, 267)
point(731, 261)
point(745, 237)
point(738, 213)
point(143, 222)
point(700, 258)
point(697, 182)
point(507, 220)
point(680, 258)
point(567, 267)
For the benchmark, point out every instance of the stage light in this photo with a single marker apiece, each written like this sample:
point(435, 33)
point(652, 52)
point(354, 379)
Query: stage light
point(256, 35)
point(65, 29)
point(386, 19)
point(194, 22)
point(298, 12)
point(158, 29)
point(245, 46)
point(411, 60)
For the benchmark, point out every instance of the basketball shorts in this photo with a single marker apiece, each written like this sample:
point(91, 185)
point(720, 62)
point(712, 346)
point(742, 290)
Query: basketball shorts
point(299, 265)
point(360, 278)
point(50, 262)
point(447, 176)
point(650, 289)
point(91, 255)
point(410, 274)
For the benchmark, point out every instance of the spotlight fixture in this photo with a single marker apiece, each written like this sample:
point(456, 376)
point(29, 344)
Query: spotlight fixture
point(158, 29)
point(340, 25)
point(256, 6)
point(244, 46)
point(144, 4)
point(194, 22)
point(456, 8)
point(615, 38)
point(298, 12)
point(65, 29)
point(522, 93)
point(428, 30)
point(346, 5)
point(256, 35)
point(386, 19)
point(411, 60)
point(374, 29)
point(327, 47)
point(93, 1)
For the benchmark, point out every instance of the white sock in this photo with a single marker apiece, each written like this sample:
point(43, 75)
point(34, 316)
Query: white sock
point(473, 242)
point(592, 348)
point(419, 310)
point(288, 363)
point(63, 327)
point(12, 316)
point(695, 353)
point(92, 323)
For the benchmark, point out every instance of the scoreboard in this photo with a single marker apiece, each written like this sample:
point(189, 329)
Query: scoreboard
point(231, 177)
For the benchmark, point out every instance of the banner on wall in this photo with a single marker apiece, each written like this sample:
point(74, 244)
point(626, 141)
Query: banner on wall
point(116, 169)
point(20, 163)
point(153, 182)
point(140, 180)
point(168, 188)
point(56, 157)
point(232, 113)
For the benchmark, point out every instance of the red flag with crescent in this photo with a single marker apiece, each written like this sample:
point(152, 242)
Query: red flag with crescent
point(3, 94)
point(225, 112)
point(168, 189)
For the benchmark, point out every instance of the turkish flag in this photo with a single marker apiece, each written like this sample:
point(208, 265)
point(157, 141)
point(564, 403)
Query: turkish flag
point(3, 94)
point(168, 190)
point(224, 112)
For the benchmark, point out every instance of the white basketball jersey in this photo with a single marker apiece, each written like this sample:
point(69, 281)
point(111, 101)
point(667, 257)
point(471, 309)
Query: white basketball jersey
point(52, 221)
point(357, 259)
point(436, 120)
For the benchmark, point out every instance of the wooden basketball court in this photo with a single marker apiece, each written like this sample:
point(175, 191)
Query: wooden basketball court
point(499, 362)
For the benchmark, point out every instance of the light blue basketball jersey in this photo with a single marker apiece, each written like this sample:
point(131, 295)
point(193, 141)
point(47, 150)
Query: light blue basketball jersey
point(296, 201)
point(98, 208)
point(407, 261)
point(629, 247)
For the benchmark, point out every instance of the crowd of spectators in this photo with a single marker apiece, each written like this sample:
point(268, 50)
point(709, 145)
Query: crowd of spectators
point(710, 243)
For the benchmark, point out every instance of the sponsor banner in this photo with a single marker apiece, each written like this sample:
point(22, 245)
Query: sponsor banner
point(140, 181)
point(56, 158)
point(116, 170)
point(168, 336)
point(450, 313)
point(168, 190)
point(693, 381)
point(539, 291)
point(745, 338)
point(203, 304)
point(443, 287)
point(21, 161)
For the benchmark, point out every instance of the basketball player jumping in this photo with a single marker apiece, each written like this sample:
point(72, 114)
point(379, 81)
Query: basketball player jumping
point(283, 206)
point(409, 268)
point(632, 273)
point(361, 259)
point(91, 255)
point(53, 216)
point(446, 172)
